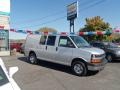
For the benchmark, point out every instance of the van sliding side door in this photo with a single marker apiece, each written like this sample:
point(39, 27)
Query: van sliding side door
point(42, 46)
point(50, 49)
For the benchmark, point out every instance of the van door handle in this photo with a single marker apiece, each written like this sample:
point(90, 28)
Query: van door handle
point(46, 47)
point(56, 48)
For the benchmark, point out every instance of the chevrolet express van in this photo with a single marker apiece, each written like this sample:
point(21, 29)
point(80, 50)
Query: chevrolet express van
point(70, 50)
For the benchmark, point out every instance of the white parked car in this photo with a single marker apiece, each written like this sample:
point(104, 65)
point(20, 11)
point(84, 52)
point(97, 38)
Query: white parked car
point(70, 50)
point(6, 80)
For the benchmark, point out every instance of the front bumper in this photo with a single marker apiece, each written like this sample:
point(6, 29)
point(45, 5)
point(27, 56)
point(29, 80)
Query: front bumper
point(116, 56)
point(96, 67)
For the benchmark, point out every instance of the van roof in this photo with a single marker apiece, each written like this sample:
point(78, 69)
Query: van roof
point(58, 34)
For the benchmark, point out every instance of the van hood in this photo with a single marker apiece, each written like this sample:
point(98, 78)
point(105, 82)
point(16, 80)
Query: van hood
point(92, 50)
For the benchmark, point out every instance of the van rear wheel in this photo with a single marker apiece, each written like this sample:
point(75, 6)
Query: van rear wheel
point(79, 68)
point(32, 58)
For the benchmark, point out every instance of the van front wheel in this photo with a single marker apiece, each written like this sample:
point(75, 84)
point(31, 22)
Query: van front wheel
point(32, 58)
point(79, 68)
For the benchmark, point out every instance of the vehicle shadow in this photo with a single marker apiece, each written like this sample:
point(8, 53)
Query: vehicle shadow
point(57, 67)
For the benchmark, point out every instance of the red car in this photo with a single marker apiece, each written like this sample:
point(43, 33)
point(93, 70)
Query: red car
point(16, 46)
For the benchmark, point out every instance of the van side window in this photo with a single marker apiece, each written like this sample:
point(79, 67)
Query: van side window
point(43, 40)
point(51, 40)
point(64, 41)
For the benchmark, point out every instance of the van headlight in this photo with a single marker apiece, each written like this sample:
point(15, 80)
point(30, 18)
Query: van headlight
point(96, 58)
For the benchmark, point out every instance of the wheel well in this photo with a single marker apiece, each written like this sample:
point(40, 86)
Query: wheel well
point(31, 52)
point(79, 59)
point(109, 54)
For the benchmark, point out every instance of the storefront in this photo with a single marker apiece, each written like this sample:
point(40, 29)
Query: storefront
point(4, 36)
point(4, 42)
point(4, 27)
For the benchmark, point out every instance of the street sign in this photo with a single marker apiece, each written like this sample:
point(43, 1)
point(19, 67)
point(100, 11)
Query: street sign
point(72, 11)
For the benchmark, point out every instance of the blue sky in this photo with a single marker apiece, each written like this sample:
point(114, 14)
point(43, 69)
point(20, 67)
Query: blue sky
point(35, 14)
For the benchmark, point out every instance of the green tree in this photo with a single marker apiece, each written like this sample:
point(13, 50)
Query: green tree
point(115, 37)
point(47, 29)
point(95, 24)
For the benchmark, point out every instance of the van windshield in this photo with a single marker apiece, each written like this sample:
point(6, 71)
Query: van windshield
point(79, 41)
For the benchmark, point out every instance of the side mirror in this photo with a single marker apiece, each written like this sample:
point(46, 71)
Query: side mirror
point(12, 71)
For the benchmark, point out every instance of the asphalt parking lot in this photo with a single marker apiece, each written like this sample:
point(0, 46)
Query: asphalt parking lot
point(48, 76)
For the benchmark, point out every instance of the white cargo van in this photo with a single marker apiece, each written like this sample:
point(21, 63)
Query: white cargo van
point(70, 50)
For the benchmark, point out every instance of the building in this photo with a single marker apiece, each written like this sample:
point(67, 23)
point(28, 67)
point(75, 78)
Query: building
point(4, 27)
point(4, 36)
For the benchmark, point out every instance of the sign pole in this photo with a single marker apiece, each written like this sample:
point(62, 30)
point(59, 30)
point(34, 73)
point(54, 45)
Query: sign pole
point(72, 13)
point(73, 27)
point(70, 25)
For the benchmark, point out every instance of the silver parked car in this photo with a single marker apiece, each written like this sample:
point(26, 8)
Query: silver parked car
point(112, 50)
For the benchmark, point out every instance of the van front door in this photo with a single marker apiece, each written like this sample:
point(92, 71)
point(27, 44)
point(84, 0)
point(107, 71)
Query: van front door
point(64, 51)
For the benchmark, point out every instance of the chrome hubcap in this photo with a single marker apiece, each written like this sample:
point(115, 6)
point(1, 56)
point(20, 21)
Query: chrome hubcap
point(78, 68)
point(32, 59)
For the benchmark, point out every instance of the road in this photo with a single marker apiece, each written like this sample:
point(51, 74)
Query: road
point(49, 76)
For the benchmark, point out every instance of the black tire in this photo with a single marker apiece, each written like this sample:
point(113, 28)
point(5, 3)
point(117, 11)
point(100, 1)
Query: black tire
point(77, 66)
point(32, 58)
point(109, 57)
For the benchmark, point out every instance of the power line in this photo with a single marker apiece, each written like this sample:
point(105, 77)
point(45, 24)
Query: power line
point(42, 18)
point(59, 18)
point(54, 20)
point(92, 5)
point(51, 15)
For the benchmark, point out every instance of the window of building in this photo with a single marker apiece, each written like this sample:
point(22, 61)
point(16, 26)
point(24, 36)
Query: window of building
point(4, 40)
